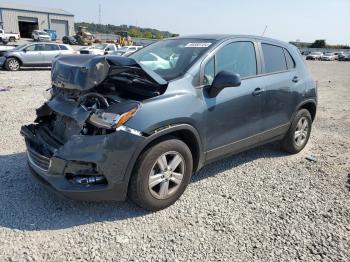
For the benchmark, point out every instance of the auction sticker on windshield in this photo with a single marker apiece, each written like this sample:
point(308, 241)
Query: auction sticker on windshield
point(198, 45)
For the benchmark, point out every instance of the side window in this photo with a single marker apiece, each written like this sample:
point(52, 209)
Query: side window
point(289, 59)
point(209, 72)
point(274, 58)
point(30, 48)
point(237, 57)
point(39, 47)
point(50, 47)
point(63, 47)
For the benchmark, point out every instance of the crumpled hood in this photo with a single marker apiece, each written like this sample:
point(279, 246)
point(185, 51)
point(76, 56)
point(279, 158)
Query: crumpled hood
point(84, 72)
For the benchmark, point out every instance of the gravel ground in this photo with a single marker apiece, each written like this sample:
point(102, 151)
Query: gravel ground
point(260, 205)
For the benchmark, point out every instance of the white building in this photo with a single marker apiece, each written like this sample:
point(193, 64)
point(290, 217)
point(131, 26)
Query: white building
point(23, 19)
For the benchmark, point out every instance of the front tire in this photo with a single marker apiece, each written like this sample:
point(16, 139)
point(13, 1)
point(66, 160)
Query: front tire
point(161, 174)
point(299, 132)
point(12, 64)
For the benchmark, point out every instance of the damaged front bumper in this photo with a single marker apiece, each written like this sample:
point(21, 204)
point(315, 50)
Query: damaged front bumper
point(79, 145)
point(85, 167)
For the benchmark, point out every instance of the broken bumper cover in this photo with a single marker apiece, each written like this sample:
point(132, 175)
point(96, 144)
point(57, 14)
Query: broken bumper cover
point(103, 155)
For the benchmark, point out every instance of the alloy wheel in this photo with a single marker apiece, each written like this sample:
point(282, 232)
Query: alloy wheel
point(301, 131)
point(13, 64)
point(166, 175)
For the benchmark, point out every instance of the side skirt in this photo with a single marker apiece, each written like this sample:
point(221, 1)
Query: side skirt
point(247, 143)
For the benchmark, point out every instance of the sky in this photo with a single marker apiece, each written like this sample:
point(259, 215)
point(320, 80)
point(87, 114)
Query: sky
point(287, 20)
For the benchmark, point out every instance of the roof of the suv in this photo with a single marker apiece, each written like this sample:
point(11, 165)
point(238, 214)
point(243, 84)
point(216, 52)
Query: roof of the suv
point(221, 37)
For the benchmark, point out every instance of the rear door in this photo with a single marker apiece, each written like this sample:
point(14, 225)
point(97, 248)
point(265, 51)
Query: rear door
point(51, 50)
point(280, 80)
point(235, 113)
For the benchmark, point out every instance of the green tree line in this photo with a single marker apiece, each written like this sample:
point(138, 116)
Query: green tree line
point(320, 43)
point(133, 31)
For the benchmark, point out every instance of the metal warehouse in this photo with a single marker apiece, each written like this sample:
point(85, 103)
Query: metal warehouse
point(23, 19)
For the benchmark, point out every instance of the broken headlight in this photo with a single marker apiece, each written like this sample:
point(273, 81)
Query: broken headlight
point(109, 120)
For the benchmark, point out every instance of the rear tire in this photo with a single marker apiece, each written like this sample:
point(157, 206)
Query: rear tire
point(12, 64)
point(299, 132)
point(161, 174)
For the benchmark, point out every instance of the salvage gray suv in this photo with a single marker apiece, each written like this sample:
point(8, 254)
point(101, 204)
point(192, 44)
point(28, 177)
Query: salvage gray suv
point(139, 126)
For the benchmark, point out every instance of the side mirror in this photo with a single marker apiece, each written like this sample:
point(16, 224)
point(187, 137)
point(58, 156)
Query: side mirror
point(222, 80)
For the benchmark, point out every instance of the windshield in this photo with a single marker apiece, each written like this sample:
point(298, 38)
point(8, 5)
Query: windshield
point(173, 57)
point(19, 47)
point(328, 54)
point(43, 33)
point(101, 46)
point(316, 53)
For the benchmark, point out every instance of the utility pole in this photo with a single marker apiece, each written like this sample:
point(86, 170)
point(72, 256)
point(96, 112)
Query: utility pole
point(99, 14)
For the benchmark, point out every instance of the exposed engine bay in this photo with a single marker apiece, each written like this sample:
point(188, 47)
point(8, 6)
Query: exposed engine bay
point(90, 96)
point(94, 95)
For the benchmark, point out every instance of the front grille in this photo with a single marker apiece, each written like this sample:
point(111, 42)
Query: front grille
point(37, 159)
point(84, 52)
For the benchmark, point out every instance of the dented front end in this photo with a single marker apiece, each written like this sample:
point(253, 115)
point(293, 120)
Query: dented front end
point(80, 145)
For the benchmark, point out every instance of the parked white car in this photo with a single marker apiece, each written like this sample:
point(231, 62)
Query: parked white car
point(127, 50)
point(329, 57)
point(39, 35)
point(100, 49)
point(314, 56)
point(155, 62)
point(9, 36)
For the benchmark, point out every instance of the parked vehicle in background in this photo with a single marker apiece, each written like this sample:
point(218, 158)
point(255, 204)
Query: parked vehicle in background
point(126, 50)
point(5, 48)
point(314, 56)
point(156, 62)
point(32, 55)
point(115, 127)
point(38, 35)
point(52, 34)
point(84, 37)
point(344, 57)
point(10, 37)
point(328, 57)
point(99, 49)
point(4, 40)
point(69, 40)
point(305, 53)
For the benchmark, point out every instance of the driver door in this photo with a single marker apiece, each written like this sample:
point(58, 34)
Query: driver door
point(33, 54)
point(234, 115)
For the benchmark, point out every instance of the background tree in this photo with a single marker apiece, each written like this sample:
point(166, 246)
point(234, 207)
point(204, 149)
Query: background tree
point(147, 34)
point(318, 44)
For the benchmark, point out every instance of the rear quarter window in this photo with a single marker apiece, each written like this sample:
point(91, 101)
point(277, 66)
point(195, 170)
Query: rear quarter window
point(289, 59)
point(274, 58)
point(63, 47)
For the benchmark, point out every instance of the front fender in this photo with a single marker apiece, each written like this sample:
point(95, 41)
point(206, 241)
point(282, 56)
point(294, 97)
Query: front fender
point(162, 133)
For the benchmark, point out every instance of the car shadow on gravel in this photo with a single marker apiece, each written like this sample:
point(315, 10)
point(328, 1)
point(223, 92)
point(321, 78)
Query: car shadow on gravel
point(25, 205)
point(271, 150)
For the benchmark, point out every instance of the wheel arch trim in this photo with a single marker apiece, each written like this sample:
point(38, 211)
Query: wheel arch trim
point(168, 131)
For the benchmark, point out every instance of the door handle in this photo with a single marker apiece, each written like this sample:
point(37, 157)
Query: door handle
point(295, 79)
point(258, 91)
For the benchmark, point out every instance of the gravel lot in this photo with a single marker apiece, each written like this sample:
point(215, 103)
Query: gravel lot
point(260, 205)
